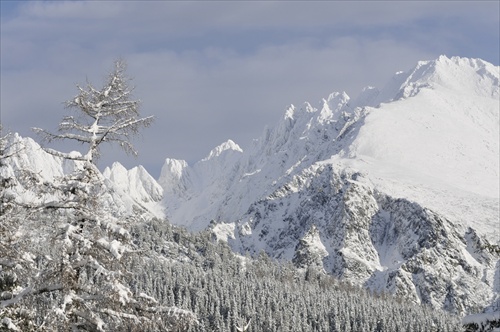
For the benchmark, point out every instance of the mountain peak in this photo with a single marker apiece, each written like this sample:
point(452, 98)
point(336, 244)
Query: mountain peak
point(115, 169)
point(30, 155)
point(140, 185)
point(458, 75)
point(461, 75)
point(334, 97)
point(229, 145)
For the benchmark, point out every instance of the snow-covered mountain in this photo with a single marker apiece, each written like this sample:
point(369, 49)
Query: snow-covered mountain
point(128, 190)
point(138, 184)
point(396, 190)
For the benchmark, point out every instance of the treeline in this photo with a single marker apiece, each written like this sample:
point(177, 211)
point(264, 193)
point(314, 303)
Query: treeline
point(225, 292)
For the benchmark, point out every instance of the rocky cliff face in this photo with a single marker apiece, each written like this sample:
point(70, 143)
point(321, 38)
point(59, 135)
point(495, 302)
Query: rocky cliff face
point(384, 243)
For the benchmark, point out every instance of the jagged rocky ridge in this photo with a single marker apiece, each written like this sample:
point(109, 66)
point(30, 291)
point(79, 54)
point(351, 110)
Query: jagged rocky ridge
point(400, 185)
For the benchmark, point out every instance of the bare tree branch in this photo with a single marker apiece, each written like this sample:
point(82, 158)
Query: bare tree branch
point(107, 115)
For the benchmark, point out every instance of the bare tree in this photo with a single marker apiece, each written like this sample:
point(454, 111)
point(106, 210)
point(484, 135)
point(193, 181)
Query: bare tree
point(104, 115)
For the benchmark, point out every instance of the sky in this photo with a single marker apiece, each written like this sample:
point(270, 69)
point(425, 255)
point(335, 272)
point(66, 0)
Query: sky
point(209, 71)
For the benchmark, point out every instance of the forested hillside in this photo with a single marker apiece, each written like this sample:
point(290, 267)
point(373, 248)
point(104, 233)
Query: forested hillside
point(225, 291)
point(172, 280)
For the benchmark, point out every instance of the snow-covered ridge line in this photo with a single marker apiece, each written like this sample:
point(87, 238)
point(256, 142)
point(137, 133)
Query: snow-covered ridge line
point(136, 181)
point(389, 128)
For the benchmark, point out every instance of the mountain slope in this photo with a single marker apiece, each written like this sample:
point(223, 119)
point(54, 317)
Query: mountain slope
point(401, 185)
point(202, 184)
point(441, 146)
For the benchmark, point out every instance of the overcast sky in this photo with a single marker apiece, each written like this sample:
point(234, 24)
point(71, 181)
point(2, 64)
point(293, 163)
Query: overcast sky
point(216, 70)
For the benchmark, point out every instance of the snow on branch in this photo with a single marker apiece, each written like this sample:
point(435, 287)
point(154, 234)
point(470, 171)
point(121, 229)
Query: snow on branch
point(172, 312)
point(91, 318)
point(115, 247)
point(15, 299)
point(116, 229)
point(8, 324)
point(147, 297)
point(121, 315)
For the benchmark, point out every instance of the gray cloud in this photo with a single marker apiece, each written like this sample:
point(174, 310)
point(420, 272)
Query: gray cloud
point(210, 71)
